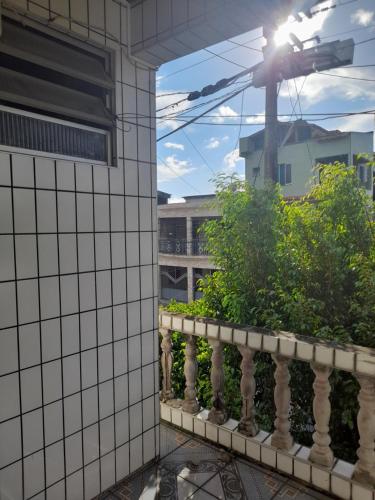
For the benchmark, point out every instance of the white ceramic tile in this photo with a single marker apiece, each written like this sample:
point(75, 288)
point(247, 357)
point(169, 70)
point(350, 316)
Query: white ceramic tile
point(102, 251)
point(69, 294)
point(147, 348)
point(26, 256)
point(34, 474)
point(144, 151)
point(87, 291)
point(360, 492)
point(120, 357)
point(73, 452)
point(107, 470)
point(74, 486)
point(148, 380)
point(133, 286)
point(116, 180)
point(101, 211)
point(68, 253)
point(105, 361)
point(133, 319)
point(31, 388)
point(92, 479)
point(148, 410)
point(8, 351)
point(148, 314)
point(45, 173)
point(86, 252)
point(23, 170)
point(49, 297)
point(7, 258)
point(54, 463)
point(66, 212)
point(11, 478)
point(135, 419)
point(132, 249)
point(135, 453)
point(106, 403)
point(100, 179)
point(51, 348)
point(91, 443)
point(70, 334)
point(104, 325)
point(71, 373)
point(149, 451)
point(85, 212)
point(24, 211)
point(72, 413)
point(320, 478)
point(89, 368)
point(88, 329)
point(32, 431)
point(53, 422)
point(28, 303)
point(119, 322)
point(146, 248)
point(57, 491)
point(146, 281)
point(117, 213)
point(90, 406)
point(9, 395)
point(6, 217)
point(107, 435)
point(46, 210)
point(48, 255)
point(132, 215)
point(134, 348)
point(145, 214)
point(65, 174)
point(121, 392)
point(103, 288)
point(10, 438)
point(118, 249)
point(83, 177)
point(4, 169)
point(135, 388)
point(119, 286)
point(29, 344)
point(52, 381)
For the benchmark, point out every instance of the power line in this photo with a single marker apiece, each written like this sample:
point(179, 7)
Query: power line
point(198, 152)
point(178, 176)
point(224, 58)
point(346, 77)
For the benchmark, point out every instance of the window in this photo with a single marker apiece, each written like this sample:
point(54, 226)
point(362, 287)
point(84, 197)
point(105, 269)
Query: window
point(55, 97)
point(173, 283)
point(284, 174)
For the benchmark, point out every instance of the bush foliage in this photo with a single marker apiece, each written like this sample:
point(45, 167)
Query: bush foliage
point(306, 266)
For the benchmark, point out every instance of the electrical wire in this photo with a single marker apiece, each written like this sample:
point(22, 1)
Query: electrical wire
point(346, 77)
point(198, 152)
point(191, 186)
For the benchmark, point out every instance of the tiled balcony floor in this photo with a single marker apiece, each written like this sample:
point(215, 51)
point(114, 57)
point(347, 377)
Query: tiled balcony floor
point(190, 468)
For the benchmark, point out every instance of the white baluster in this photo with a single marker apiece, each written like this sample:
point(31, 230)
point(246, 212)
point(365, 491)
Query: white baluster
point(247, 423)
point(218, 413)
point(321, 452)
point(166, 364)
point(281, 437)
point(190, 403)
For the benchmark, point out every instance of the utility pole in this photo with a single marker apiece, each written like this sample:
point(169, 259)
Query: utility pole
point(271, 122)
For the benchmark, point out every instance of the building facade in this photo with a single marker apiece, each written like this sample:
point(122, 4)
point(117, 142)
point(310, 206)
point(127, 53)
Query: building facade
point(302, 146)
point(183, 258)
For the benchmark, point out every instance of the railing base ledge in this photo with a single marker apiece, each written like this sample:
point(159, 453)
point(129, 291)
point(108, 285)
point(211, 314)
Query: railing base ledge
point(336, 480)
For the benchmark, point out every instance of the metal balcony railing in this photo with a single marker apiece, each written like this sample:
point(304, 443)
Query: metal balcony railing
point(173, 246)
point(198, 247)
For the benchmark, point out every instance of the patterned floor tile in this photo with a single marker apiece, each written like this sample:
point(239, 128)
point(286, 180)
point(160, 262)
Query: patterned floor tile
point(192, 469)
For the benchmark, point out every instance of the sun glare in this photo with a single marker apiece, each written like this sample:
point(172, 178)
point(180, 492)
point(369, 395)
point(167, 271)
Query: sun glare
point(282, 34)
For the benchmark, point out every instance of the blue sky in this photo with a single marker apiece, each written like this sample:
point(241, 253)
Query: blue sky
point(183, 156)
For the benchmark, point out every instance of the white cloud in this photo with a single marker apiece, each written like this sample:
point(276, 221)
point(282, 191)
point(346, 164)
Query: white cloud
point(174, 145)
point(213, 143)
point(303, 30)
point(224, 113)
point(259, 119)
point(176, 200)
point(319, 87)
point(362, 17)
point(172, 168)
point(357, 123)
point(231, 159)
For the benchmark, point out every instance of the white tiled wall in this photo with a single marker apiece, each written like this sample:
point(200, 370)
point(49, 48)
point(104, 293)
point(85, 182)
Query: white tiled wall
point(78, 308)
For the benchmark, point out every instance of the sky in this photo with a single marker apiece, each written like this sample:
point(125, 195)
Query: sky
point(189, 160)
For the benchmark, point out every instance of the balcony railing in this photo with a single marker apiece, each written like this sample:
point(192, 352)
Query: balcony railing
point(182, 247)
point(317, 465)
point(173, 246)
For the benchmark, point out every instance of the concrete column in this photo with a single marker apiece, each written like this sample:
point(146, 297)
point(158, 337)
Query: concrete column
point(189, 235)
point(190, 284)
